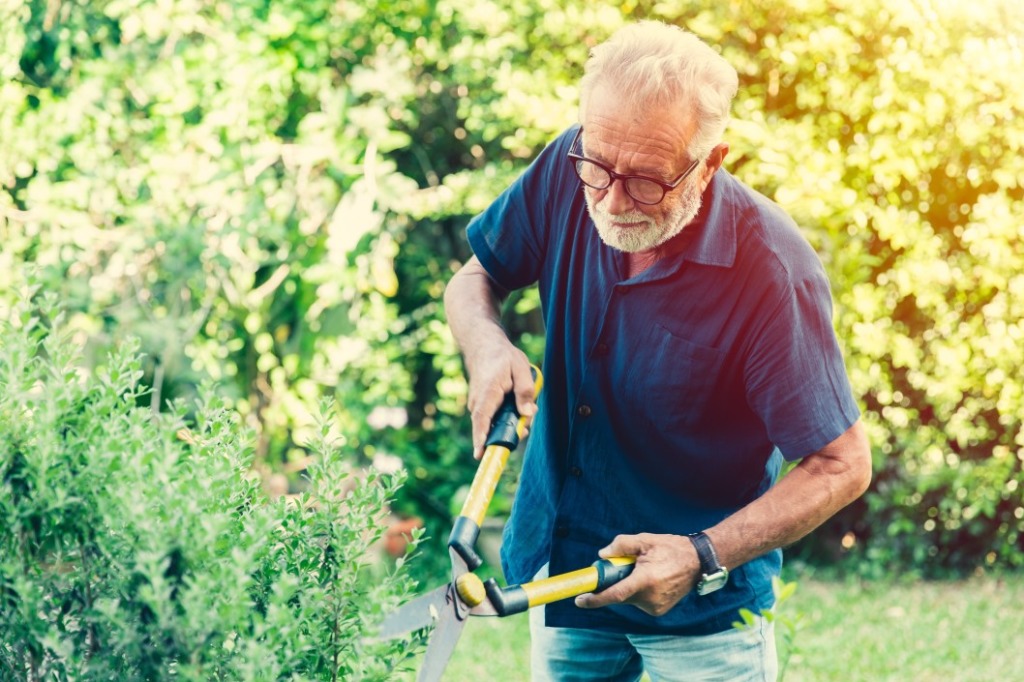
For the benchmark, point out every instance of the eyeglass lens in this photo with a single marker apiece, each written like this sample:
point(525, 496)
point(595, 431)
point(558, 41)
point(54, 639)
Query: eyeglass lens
point(640, 189)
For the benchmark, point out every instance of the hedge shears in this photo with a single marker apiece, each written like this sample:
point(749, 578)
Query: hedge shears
point(447, 608)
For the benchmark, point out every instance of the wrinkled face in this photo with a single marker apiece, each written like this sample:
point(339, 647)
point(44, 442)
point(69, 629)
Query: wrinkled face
point(650, 143)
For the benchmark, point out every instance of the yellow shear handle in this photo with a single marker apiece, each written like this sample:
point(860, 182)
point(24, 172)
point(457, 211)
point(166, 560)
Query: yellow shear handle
point(485, 482)
point(507, 428)
point(518, 598)
point(589, 579)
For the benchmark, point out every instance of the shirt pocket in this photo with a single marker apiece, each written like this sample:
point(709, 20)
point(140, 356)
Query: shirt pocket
point(674, 379)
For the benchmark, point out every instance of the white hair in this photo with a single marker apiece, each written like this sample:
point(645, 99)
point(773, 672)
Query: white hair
point(651, 63)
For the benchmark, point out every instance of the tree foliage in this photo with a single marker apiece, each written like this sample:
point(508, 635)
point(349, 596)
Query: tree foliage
point(273, 195)
point(893, 135)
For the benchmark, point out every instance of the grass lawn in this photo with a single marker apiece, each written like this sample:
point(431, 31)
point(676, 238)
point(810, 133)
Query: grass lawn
point(962, 631)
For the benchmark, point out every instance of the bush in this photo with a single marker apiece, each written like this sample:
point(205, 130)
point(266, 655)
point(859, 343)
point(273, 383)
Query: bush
point(136, 547)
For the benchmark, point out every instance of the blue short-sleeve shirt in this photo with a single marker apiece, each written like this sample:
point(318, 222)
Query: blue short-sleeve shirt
point(670, 398)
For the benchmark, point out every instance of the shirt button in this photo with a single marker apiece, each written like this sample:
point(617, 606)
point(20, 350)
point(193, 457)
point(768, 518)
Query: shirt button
point(583, 410)
point(575, 472)
point(561, 531)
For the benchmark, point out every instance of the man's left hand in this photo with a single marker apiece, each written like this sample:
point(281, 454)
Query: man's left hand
point(666, 569)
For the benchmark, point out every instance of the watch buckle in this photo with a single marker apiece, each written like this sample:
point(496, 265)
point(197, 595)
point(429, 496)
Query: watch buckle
point(713, 582)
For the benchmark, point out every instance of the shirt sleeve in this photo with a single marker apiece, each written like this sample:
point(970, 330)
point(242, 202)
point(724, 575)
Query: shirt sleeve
point(510, 238)
point(795, 376)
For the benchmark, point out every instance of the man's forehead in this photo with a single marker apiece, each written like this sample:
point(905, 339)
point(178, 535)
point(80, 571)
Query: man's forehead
point(658, 128)
point(641, 146)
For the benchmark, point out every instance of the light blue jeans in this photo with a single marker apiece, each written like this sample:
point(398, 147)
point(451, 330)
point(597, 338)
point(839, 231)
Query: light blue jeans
point(579, 655)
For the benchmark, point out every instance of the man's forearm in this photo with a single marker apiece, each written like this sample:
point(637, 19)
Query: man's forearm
point(667, 566)
point(806, 497)
point(472, 304)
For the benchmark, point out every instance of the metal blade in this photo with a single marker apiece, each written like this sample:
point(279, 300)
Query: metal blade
point(419, 613)
point(442, 644)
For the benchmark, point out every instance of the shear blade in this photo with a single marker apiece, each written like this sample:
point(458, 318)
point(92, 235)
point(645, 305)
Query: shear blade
point(442, 644)
point(417, 614)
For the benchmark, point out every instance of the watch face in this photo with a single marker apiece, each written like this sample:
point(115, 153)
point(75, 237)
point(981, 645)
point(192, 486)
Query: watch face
point(713, 582)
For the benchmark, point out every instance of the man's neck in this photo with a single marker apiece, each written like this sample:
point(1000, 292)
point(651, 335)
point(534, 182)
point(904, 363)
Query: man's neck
point(638, 262)
point(642, 260)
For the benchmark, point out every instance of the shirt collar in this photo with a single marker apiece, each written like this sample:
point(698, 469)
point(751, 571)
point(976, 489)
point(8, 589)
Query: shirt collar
point(714, 228)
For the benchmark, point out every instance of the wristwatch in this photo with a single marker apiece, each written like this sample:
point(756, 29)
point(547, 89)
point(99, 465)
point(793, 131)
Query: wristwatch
point(714, 575)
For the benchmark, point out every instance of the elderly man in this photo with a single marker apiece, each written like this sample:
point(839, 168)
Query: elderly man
point(689, 352)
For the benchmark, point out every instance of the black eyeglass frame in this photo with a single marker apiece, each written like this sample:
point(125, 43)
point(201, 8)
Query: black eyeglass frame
point(666, 187)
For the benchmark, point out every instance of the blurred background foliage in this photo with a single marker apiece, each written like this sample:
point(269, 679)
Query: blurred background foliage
point(273, 195)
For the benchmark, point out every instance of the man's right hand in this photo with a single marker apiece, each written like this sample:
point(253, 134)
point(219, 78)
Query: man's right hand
point(472, 302)
point(498, 371)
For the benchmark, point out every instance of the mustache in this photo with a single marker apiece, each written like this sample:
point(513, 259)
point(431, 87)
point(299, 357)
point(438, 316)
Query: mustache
point(627, 217)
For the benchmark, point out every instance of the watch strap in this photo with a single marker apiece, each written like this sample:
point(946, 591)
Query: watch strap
point(709, 563)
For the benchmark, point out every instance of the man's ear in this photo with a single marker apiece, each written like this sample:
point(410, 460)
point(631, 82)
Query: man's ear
point(714, 162)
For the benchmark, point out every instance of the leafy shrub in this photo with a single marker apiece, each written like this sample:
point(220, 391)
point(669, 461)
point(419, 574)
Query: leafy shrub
point(136, 547)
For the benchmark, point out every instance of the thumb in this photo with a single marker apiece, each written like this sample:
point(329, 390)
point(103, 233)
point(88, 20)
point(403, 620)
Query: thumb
point(623, 545)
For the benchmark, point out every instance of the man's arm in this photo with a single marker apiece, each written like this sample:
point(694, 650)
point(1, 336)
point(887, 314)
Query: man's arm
point(472, 303)
point(667, 568)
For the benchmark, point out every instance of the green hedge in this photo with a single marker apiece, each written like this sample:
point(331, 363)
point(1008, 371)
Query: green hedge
point(137, 546)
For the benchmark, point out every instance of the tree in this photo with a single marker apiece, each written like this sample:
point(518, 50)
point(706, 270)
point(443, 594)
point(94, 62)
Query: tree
point(281, 188)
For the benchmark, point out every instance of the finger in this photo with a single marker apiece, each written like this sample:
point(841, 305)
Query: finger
point(616, 594)
point(522, 384)
point(480, 422)
point(480, 426)
point(623, 545)
point(482, 416)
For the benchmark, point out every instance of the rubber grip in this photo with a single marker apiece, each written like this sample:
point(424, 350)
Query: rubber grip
point(611, 571)
point(503, 427)
point(507, 426)
point(463, 540)
point(506, 601)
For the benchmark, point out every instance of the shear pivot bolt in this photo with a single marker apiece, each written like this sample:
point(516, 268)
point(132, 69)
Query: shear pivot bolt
point(471, 589)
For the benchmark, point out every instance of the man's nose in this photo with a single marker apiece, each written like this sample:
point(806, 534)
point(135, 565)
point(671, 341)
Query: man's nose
point(617, 199)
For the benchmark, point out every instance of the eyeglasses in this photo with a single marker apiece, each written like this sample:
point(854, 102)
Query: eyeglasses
point(641, 189)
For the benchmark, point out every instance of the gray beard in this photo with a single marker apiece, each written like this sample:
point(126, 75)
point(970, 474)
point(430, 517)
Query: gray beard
point(650, 235)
